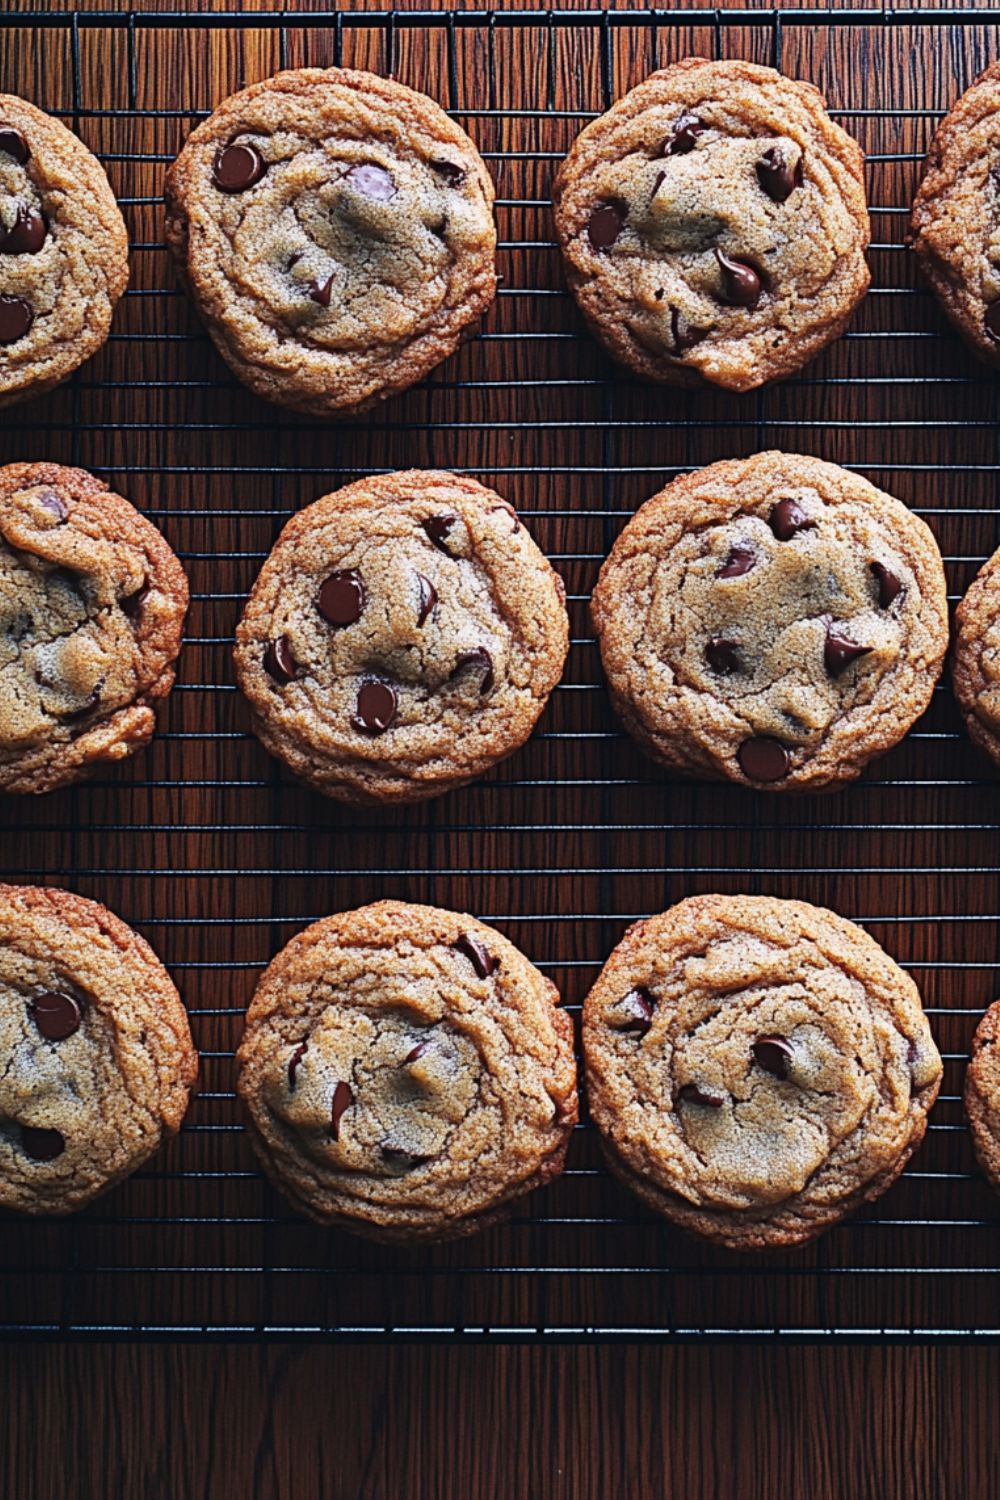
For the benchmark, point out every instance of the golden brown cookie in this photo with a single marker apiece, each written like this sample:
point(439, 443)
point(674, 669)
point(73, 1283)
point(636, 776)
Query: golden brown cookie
point(757, 1068)
point(96, 1058)
point(335, 230)
point(774, 620)
point(713, 225)
point(975, 667)
point(403, 636)
point(982, 1094)
point(92, 605)
point(955, 222)
point(407, 1073)
point(63, 251)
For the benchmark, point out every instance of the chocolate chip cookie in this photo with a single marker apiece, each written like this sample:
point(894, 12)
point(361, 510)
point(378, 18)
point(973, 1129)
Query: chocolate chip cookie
point(982, 1094)
point(92, 604)
point(955, 222)
point(975, 667)
point(774, 620)
point(96, 1058)
point(757, 1068)
point(713, 225)
point(402, 637)
point(335, 230)
point(407, 1073)
point(63, 251)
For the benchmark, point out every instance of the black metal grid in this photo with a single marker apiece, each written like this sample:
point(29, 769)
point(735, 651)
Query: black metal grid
point(579, 808)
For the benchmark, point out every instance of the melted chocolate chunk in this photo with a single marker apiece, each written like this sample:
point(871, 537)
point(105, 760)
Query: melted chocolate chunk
point(237, 167)
point(41, 1145)
point(638, 1006)
point(722, 655)
point(12, 143)
point(56, 504)
point(788, 517)
point(763, 759)
point(279, 662)
point(889, 584)
point(692, 1094)
point(839, 652)
point(773, 1054)
point(342, 597)
point(428, 598)
point(681, 140)
point(739, 561)
point(606, 223)
point(293, 1062)
point(741, 284)
point(992, 320)
point(414, 1053)
point(376, 708)
point(321, 293)
point(683, 336)
point(480, 958)
point(56, 1014)
point(437, 528)
point(778, 177)
point(452, 174)
point(372, 182)
point(26, 235)
point(343, 1098)
point(16, 318)
point(481, 659)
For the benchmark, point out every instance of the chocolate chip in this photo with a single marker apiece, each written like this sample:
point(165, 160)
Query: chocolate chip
point(993, 320)
point(889, 585)
point(402, 1161)
point(55, 504)
point(480, 958)
point(16, 318)
point(739, 560)
point(342, 597)
point(481, 659)
point(279, 662)
point(839, 652)
point(452, 174)
point(692, 1094)
point(657, 182)
point(788, 517)
point(131, 604)
point(414, 1053)
point(372, 182)
point(778, 177)
point(428, 598)
point(26, 235)
point(237, 167)
point(773, 1054)
point(343, 1098)
point(912, 1051)
point(376, 708)
point(321, 293)
point(56, 1015)
point(740, 283)
point(681, 140)
point(606, 223)
point(722, 655)
point(13, 143)
point(437, 528)
point(638, 1006)
point(682, 334)
point(293, 1062)
point(763, 759)
point(41, 1145)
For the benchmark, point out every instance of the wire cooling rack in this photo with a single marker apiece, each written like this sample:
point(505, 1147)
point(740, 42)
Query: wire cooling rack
point(218, 859)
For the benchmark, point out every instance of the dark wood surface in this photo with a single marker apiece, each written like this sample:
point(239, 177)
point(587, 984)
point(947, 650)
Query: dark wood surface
point(218, 859)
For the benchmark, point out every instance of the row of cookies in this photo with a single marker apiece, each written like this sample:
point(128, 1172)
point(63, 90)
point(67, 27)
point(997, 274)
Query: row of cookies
point(776, 621)
point(335, 230)
point(757, 1069)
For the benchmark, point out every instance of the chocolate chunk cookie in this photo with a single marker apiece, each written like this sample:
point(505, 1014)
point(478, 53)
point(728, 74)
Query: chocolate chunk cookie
point(92, 604)
point(96, 1059)
point(975, 667)
point(407, 1073)
point(982, 1094)
point(336, 232)
point(402, 637)
point(713, 225)
point(757, 1068)
point(63, 251)
point(955, 223)
point(774, 620)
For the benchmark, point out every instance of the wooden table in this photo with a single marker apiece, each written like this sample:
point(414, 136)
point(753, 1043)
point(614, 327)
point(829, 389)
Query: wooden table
point(219, 859)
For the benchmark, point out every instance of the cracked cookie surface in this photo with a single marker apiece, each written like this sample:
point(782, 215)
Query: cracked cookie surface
point(955, 221)
point(757, 1068)
point(713, 225)
point(975, 667)
point(403, 636)
point(407, 1073)
point(335, 230)
point(982, 1094)
point(774, 620)
point(63, 251)
point(96, 1058)
point(92, 605)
